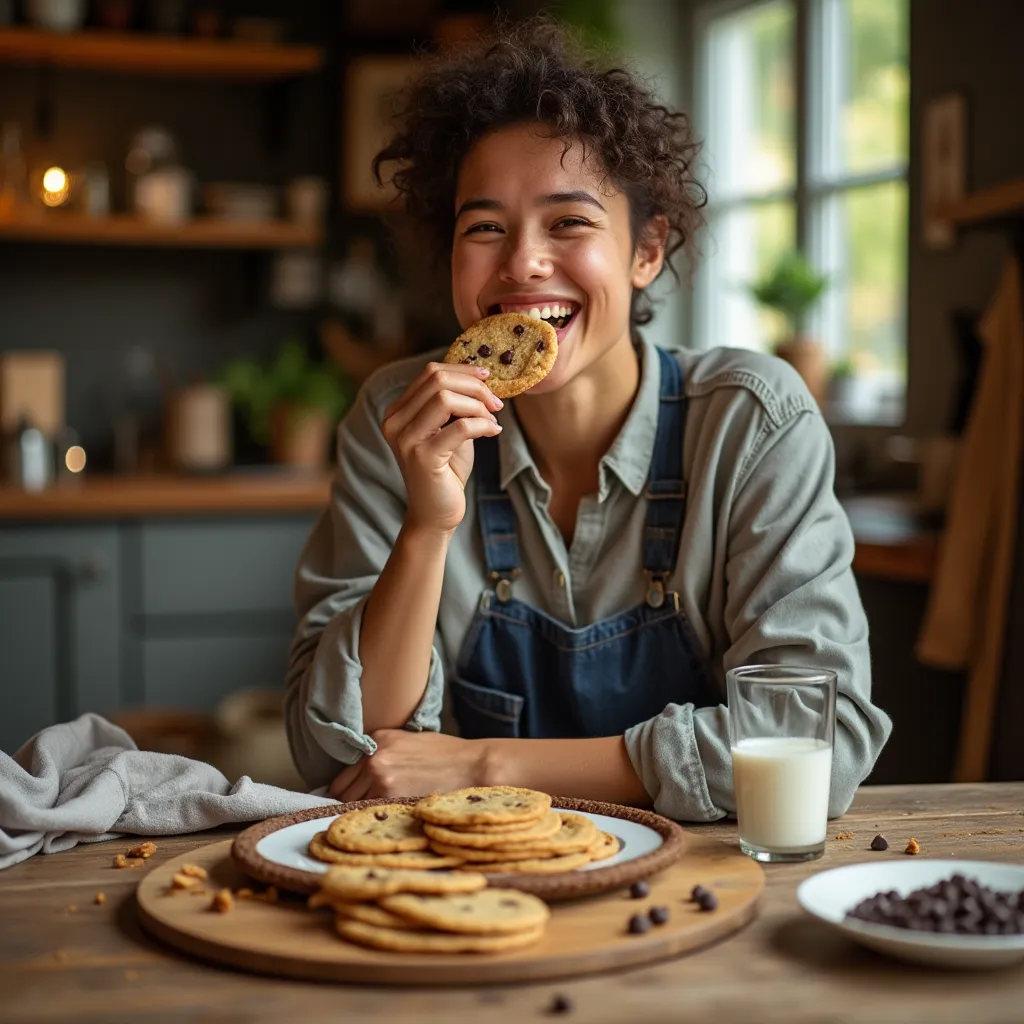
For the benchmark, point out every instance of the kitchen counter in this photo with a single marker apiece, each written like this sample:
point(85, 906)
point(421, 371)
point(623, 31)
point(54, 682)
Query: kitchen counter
point(892, 542)
point(119, 497)
point(94, 963)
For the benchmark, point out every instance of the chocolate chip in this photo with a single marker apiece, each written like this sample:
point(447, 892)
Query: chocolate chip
point(372, 874)
point(638, 924)
point(560, 1004)
point(506, 357)
point(381, 815)
point(484, 350)
point(518, 329)
point(879, 842)
point(540, 346)
point(638, 890)
point(658, 915)
point(707, 900)
point(507, 903)
point(696, 892)
point(473, 798)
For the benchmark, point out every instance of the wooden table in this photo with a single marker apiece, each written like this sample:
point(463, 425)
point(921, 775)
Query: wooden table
point(95, 964)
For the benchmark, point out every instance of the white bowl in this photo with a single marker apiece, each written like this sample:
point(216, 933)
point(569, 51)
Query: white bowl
point(830, 895)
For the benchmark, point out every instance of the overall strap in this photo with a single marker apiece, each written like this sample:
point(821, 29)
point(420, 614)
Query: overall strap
point(666, 489)
point(497, 517)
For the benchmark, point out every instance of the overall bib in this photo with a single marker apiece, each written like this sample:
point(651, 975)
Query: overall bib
point(522, 673)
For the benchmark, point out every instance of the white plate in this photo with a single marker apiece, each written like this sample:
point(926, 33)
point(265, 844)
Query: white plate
point(829, 895)
point(288, 846)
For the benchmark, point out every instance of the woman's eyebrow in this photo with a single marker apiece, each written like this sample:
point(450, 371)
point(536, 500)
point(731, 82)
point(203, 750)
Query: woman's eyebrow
point(578, 196)
point(552, 199)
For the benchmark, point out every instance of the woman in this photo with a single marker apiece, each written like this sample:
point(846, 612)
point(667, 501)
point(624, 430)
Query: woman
point(568, 575)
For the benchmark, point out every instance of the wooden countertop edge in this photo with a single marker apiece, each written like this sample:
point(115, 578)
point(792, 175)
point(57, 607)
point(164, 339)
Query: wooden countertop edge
point(115, 498)
point(908, 558)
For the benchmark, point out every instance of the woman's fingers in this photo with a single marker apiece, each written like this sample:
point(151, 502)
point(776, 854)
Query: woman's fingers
point(441, 410)
point(437, 378)
point(466, 428)
point(345, 778)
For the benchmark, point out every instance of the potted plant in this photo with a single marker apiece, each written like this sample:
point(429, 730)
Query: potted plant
point(792, 288)
point(290, 404)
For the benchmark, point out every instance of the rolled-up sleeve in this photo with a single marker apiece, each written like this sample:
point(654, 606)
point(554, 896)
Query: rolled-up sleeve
point(338, 568)
point(791, 598)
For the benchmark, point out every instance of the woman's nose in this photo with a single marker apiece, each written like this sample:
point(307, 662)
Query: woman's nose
point(524, 259)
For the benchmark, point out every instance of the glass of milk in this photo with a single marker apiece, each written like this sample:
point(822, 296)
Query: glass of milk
point(781, 726)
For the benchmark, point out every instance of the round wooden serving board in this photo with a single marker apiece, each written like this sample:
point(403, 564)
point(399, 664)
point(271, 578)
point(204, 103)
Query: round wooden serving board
point(583, 936)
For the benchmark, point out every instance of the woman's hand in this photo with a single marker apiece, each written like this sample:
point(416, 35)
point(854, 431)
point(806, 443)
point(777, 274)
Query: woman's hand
point(412, 764)
point(431, 429)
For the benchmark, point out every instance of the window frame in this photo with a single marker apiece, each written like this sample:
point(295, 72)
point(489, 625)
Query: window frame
point(809, 192)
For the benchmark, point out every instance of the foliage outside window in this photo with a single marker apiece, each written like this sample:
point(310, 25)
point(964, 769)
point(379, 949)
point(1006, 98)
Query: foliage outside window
point(824, 172)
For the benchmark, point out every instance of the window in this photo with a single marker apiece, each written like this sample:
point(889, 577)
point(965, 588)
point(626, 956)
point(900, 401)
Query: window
point(806, 147)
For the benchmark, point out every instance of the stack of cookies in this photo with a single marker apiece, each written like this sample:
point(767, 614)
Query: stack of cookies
point(504, 829)
point(409, 911)
point(385, 836)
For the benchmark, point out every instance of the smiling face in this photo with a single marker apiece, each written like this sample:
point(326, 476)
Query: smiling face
point(545, 232)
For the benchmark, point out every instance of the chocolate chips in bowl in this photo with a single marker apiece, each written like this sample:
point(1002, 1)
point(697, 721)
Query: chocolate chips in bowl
point(953, 906)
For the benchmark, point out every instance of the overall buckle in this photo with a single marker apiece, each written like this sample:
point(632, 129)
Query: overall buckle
point(656, 592)
point(503, 584)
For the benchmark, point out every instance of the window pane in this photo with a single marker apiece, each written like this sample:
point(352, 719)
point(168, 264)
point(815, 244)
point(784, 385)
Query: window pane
point(749, 113)
point(861, 67)
point(861, 240)
point(741, 246)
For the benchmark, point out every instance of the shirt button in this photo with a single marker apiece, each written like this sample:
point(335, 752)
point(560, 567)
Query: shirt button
point(560, 580)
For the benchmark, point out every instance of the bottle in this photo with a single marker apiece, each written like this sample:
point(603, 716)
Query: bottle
point(14, 194)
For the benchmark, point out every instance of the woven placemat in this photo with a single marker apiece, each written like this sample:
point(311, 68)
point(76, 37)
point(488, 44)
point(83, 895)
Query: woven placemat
point(567, 885)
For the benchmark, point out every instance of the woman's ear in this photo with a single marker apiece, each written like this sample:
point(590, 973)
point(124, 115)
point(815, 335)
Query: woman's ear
point(650, 251)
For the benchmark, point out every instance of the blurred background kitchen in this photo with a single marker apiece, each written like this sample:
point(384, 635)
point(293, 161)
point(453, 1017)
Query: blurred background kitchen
point(195, 276)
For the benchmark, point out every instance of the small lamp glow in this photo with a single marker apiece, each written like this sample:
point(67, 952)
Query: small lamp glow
point(55, 186)
point(74, 459)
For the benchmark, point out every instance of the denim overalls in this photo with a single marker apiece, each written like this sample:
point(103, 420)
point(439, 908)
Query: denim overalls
point(522, 673)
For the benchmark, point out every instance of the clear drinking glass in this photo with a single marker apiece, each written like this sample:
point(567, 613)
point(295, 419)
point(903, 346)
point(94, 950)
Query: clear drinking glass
point(781, 727)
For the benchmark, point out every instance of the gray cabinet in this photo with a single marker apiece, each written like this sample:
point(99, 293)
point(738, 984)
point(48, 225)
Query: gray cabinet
point(152, 613)
point(59, 626)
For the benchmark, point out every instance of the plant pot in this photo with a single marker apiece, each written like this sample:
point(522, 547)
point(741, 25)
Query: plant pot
point(299, 436)
point(807, 357)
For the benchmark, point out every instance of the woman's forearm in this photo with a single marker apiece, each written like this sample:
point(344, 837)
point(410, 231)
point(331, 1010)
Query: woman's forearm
point(397, 632)
point(590, 769)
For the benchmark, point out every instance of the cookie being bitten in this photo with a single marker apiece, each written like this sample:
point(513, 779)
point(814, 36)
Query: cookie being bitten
point(518, 350)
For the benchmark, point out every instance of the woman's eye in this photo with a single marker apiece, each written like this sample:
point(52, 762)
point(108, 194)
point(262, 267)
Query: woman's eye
point(572, 222)
point(477, 228)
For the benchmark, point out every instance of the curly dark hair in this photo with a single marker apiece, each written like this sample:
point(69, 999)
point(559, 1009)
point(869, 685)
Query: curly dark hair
point(536, 72)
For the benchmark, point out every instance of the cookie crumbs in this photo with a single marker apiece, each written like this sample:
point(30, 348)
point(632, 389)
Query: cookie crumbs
point(194, 871)
point(222, 901)
point(244, 894)
point(197, 890)
point(913, 846)
point(134, 862)
point(180, 881)
point(99, 899)
point(846, 835)
point(120, 862)
point(143, 850)
point(72, 907)
point(269, 895)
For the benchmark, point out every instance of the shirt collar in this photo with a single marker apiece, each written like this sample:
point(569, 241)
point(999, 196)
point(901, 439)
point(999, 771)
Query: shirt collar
point(630, 455)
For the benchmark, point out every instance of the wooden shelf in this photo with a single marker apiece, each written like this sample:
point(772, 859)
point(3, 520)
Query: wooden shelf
point(109, 497)
point(996, 203)
point(203, 233)
point(137, 54)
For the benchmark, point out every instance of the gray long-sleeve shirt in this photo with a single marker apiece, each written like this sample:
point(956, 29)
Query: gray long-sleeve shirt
point(763, 571)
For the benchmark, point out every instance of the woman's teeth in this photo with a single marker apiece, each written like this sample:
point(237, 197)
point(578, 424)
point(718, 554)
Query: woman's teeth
point(558, 316)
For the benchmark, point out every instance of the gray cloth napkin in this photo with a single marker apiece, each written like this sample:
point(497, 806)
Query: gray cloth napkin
point(84, 781)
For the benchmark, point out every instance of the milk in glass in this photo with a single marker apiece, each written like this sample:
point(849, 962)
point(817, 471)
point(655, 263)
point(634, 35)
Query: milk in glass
point(782, 787)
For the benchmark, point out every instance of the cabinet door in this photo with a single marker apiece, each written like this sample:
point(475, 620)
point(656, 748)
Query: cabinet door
point(59, 618)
